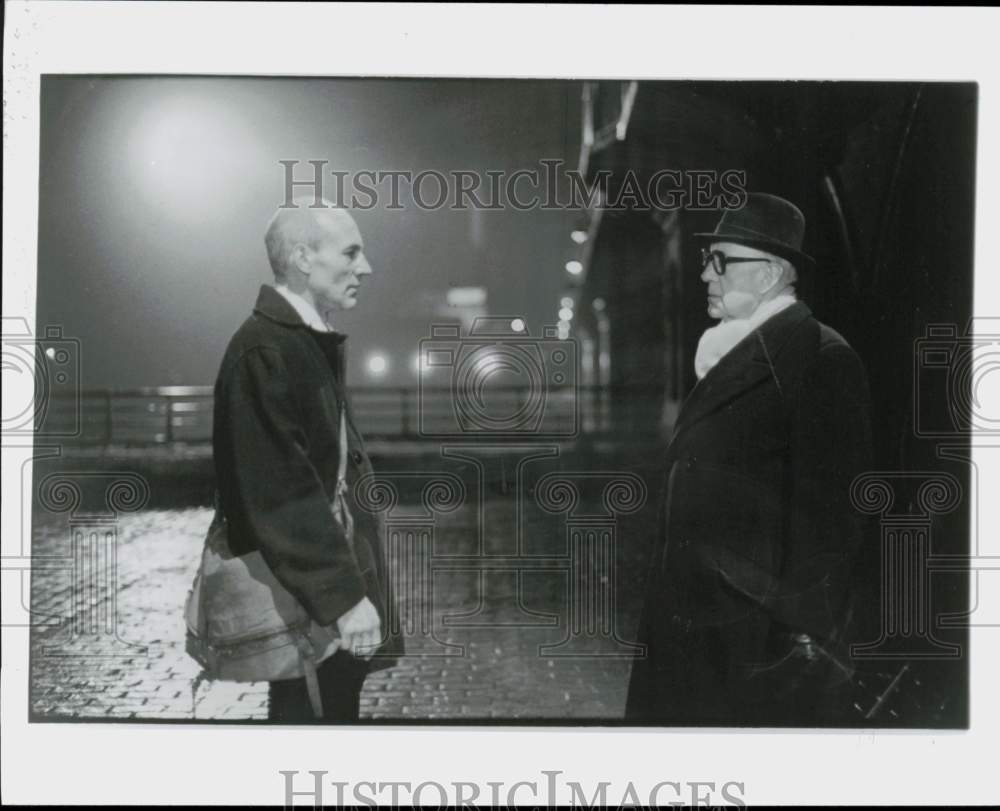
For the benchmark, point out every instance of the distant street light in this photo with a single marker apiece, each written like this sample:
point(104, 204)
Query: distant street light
point(574, 267)
point(377, 365)
point(578, 236)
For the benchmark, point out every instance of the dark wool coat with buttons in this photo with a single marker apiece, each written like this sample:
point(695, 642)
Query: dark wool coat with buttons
point(275, 442)
point(759, 536)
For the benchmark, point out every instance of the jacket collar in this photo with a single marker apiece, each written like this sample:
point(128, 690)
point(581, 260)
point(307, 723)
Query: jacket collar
point(275, 307)
point(744, 366)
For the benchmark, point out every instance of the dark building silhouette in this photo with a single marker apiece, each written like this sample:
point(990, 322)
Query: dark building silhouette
point(885, 175)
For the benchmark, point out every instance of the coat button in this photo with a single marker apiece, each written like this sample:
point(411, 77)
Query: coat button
point(357, 457)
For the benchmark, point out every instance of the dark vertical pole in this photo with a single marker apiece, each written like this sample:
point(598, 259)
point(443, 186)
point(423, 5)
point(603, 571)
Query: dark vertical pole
point(108, 421)
point(170, 420)
point(404, 412)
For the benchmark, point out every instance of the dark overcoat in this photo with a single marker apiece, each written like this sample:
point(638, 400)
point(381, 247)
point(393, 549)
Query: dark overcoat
point(759, 536)
point(276, 448)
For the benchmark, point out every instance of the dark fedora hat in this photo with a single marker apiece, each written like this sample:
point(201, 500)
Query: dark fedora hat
point(768, 223)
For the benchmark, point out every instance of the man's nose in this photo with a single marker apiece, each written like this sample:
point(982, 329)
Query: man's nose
point(708, 275)
point(363, 269)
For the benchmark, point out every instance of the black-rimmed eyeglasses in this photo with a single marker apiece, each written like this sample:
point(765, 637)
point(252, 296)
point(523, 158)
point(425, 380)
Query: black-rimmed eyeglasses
point(718, 260)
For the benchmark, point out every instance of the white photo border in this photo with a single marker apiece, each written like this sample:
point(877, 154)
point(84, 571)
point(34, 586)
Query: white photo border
point(230, 764)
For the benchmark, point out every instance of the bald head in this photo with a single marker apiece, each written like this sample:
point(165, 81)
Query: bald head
point(291, 229)
point(318, 254)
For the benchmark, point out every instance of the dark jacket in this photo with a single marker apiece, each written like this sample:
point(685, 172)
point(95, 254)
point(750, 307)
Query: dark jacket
point(759, 534)
point(275, 442)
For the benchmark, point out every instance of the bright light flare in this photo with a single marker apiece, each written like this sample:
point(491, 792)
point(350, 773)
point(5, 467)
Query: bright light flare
point(377, 365)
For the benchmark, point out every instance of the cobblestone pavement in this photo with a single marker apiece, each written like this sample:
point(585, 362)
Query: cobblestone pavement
point(482, 659)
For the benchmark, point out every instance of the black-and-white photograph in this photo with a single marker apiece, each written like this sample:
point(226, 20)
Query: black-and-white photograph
point(427, 402)
point(612, 401)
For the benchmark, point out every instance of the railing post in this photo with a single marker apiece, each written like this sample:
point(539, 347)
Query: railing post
point(404, 412)
point(170, 420)
point(108, 420)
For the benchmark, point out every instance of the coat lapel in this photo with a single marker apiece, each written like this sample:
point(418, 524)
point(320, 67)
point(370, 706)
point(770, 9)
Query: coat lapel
point(742, 368)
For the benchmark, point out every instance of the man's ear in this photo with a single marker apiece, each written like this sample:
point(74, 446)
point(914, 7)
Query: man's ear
point(300, 258)
point(770, 275)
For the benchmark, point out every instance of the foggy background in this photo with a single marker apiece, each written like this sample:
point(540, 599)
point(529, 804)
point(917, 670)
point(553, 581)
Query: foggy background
point(155, 192)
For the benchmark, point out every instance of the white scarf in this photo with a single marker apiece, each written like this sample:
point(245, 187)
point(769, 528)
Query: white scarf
point(717, 341)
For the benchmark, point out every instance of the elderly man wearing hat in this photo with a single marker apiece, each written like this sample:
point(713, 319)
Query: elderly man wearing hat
point(750, 592)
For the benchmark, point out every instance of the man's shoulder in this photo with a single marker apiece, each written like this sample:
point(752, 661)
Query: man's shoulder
point(835, 363)
point(258, 335)
point(834, 348)
point(830, 339)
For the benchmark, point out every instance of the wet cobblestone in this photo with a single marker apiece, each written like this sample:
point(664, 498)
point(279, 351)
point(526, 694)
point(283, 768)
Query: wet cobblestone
point(493, 668)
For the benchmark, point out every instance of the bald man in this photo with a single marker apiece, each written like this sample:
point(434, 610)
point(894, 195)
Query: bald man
point(277, 447)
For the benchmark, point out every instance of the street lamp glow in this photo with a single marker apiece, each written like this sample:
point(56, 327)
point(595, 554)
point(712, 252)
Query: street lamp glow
point(377, 365)
point(566, 301)
point(566, 314)
point(578, 236)
point(574, 267)
point(517, 325)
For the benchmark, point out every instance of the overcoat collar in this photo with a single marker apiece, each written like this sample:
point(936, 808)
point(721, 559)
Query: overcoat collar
point(743, 367)
point(275, 307)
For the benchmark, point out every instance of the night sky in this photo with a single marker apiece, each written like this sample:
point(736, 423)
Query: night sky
point(155, 192)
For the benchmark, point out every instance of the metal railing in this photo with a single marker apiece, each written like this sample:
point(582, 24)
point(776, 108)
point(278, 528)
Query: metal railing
point(183, 414)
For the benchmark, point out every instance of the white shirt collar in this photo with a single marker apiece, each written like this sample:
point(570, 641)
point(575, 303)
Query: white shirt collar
point(306, 311)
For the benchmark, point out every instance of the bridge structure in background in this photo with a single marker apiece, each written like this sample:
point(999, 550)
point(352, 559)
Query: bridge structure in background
point(174, 415)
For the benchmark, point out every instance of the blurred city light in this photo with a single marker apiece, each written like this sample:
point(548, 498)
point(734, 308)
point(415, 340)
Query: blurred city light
point(186, 151)
point(566, 301)
point(565, 314)
point(578, 236)
point(574, 267)
point(377, 365)
point(517, 325)
point(598, 305)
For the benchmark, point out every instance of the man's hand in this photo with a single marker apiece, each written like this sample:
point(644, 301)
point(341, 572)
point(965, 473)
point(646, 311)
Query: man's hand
point(360, 629)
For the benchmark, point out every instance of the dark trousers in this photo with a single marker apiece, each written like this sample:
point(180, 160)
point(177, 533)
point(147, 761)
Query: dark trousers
point(341, 678)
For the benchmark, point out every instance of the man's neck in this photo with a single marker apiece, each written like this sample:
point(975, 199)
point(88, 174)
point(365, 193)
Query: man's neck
point(307, 296)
